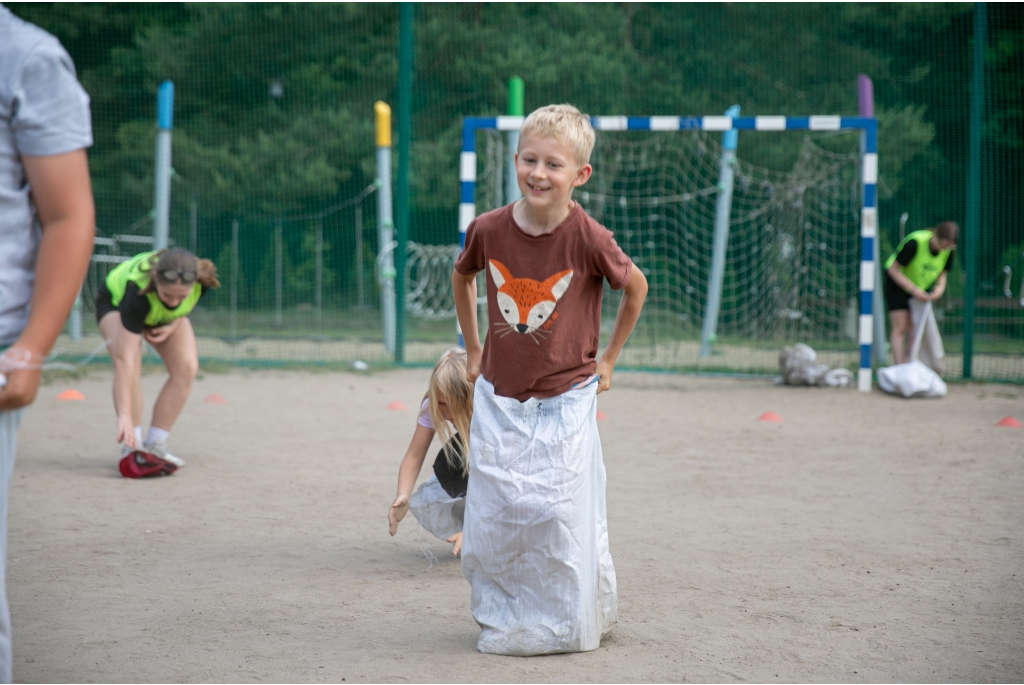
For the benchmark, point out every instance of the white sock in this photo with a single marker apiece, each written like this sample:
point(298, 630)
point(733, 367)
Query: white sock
point(156, 435)
point(138, 435)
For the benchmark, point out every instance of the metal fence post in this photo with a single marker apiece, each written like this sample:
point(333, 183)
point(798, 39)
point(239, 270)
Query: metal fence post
point(972, 225)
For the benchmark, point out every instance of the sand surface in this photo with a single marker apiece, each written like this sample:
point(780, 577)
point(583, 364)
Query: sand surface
point(864, 539)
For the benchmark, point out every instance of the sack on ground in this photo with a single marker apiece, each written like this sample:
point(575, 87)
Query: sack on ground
point(918, 378)
point(140, 464)
point(799, 366)
point(912, 379)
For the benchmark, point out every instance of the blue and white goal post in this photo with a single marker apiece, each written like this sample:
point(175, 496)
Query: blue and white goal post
point(869, 177)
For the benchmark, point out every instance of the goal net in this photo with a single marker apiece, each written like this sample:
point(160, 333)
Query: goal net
point(792, 268)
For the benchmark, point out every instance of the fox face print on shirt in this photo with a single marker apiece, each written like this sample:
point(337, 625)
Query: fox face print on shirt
point(527, 305)
point(543, 299)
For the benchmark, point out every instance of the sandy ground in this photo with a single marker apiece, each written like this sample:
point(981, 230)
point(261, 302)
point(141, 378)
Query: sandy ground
point(682, 354)
point(864, 539)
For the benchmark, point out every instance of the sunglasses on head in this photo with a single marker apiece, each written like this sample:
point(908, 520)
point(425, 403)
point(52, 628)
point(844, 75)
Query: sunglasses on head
point(175, 275)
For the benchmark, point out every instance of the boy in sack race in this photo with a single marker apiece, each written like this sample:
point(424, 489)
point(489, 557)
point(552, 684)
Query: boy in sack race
point(535, 537)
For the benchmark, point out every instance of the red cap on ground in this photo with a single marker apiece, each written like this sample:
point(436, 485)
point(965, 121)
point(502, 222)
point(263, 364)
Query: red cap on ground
point(601, 416)
point(214, 399)
point(770, 417)
point(396, 406)
point(71, 395)
point(1009, 422)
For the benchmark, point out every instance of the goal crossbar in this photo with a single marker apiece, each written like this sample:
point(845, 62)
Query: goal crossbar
point(868, 126)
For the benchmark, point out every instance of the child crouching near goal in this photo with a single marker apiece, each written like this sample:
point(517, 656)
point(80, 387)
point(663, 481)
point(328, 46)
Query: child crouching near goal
point(439, 503)
point(535, 539)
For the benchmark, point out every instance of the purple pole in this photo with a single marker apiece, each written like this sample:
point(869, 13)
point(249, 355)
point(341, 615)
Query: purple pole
point(865, 96)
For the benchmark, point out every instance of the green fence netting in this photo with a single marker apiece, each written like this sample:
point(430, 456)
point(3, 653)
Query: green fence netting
point(273, 160)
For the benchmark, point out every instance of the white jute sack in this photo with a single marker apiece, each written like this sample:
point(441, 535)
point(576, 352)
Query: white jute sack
point(437, 511)
point(926, 335)
point(915, 378)
point(535, 542)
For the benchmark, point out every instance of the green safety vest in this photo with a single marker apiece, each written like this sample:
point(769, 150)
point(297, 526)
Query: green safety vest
point(133, 271)
point(925, 268)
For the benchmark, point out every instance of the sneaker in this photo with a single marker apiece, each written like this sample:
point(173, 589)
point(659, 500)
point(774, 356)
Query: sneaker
point(160, 450)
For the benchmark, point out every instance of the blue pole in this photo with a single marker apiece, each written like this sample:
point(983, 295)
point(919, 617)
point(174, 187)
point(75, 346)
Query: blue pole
point(868, 249)
point(162, 173)
point(723, 208)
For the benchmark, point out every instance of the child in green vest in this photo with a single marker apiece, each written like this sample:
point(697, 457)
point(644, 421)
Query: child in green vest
point(150, 296)
point(916, 269)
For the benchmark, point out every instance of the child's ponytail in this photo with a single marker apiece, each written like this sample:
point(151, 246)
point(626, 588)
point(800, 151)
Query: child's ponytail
point(207, 273)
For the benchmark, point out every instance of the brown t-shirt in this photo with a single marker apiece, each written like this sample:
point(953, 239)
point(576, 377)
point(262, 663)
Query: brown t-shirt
point(543, 299)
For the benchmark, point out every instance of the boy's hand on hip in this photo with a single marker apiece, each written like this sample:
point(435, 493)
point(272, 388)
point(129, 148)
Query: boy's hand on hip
point(473, 365)
point(604, 371)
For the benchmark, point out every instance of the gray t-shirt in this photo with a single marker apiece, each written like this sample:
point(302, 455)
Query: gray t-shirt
point(43, 111)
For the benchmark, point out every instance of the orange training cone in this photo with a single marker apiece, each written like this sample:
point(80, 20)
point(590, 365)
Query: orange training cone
point(1009, 422)
point(601, 416)
point(214, 399)
point(770, 417)
point(71, 395)
point(396, 406)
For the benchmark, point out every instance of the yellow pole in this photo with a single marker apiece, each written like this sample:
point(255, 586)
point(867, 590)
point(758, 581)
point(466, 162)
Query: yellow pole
point(383, 121)
point(385, 224)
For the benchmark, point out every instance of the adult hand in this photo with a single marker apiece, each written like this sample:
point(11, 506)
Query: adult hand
point(456, 541)
point(126, 431)
point(922, 295)
point(399, 508)
point(23, 370)
point(604, 371)
point(20, 390)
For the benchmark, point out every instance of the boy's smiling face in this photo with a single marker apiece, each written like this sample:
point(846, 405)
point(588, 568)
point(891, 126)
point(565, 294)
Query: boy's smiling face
point(547, 171)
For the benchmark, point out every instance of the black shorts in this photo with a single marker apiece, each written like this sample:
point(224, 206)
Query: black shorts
point(104, 302)
point(896, 298)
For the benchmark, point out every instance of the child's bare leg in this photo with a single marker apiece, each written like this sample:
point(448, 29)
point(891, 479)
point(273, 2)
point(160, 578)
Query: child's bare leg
point(899, 320)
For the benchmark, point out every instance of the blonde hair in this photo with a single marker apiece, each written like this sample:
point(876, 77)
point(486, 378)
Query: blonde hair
point(564, 123)
point(449, 379)
point(180, 260)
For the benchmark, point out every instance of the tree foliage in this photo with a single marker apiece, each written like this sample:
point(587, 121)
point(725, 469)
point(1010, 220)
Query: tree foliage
point(273, 109)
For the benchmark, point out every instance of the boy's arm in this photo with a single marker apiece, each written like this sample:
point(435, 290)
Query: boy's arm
point(464, 292)
point(633, 296)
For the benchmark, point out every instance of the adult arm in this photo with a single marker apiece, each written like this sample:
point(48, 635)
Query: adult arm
point(464, 292)
point(409, 470)
point(62, 194)
point(633, 296)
